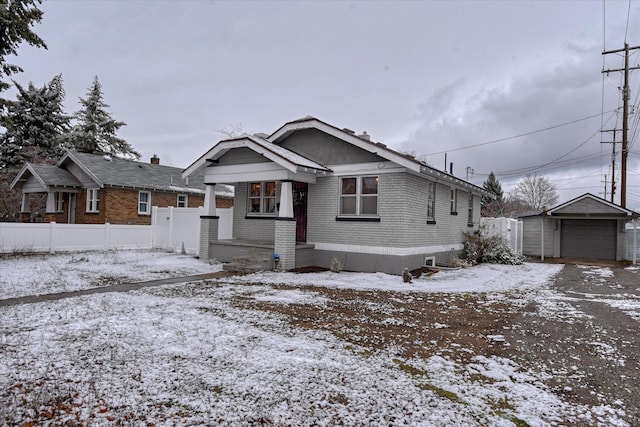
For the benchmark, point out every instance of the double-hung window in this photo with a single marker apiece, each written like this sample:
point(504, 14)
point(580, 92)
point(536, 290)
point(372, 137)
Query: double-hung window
point(144, 203)
point(359, 196)
point(431, 201)
point(93, 200)
point(454, 201)
point(262, 198)
point(470, 214)
point(59, 201)
point(183, 201)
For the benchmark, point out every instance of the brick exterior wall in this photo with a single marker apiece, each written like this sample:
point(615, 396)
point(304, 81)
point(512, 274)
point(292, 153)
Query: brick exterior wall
point(120, 206)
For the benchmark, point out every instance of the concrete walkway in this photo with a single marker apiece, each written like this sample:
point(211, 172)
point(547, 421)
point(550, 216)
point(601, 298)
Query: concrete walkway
point(124, 287)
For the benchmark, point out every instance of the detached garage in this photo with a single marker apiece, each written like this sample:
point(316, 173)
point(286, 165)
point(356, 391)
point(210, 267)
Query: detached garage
point(585, 227)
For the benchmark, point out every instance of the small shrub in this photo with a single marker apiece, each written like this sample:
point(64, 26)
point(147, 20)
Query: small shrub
point(479, 248)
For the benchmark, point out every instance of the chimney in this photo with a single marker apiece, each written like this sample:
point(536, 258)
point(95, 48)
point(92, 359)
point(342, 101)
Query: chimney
point(155, 160)
point(365, 135)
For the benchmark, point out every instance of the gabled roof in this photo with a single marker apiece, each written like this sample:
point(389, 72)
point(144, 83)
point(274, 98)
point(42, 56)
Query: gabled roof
point(277, 154)
point(47, 176)
point(115, 172)
point(587, 205)
point(406, 160)
point(611, 207)
point(271, 144)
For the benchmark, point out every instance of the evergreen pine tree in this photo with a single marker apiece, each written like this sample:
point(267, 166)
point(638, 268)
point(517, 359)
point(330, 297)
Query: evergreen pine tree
point(492, 207)
point(36, 125)
point(95, 129)
point(16, 18)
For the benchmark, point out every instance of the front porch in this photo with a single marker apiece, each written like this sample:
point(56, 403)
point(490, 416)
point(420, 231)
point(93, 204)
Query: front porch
point(249, 256)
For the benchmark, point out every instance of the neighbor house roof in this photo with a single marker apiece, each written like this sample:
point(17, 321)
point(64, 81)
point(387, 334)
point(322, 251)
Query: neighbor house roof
point(107, 171)
point(47, 176)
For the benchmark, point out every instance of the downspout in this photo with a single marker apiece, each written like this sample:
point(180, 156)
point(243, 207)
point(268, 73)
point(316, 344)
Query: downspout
point(542, 238)
point(635, 241)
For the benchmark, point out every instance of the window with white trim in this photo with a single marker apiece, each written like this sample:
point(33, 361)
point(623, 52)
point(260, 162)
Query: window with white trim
point(431, 201)
point(262, 198)
point(470, 215)
point(454, 201)
point(183, 201)
point(359, 196)
point(59, 201)
point(144, 203)
point(93, 200)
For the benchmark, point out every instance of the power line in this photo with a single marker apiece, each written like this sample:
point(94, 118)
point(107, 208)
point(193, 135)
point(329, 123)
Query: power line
point(515, 136)
point(544, 166)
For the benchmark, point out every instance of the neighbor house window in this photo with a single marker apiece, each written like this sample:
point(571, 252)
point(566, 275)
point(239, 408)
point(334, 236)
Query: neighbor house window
point(454, 201)
point(183, 201)
point(59, 202)
point(262, 198)
point(470, 217)
point(431, 201)
point(93, 200)
point(144, 203)
point(359, 196)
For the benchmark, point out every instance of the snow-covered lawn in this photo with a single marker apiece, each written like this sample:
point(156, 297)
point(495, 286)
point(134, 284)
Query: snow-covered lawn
point(45, 274)
point(190, 355)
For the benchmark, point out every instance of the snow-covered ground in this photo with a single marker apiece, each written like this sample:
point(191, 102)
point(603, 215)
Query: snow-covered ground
point(187, 355)
point(45, 274)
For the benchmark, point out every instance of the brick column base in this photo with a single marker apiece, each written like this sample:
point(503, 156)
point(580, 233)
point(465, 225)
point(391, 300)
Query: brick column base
point(24, 217)
point(285, 242)
point(208, 234)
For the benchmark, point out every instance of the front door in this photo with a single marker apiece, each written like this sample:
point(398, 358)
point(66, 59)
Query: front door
point(300, 191)
point(72, 208)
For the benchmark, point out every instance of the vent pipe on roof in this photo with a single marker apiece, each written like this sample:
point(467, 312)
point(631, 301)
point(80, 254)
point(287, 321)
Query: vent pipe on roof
point(451, 168)
point(155, 160)
point(365, 135)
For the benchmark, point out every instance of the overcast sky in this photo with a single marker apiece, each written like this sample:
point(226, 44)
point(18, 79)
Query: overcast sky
point(421, 77)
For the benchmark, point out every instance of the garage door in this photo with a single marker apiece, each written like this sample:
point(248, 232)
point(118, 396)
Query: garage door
point(588, 238)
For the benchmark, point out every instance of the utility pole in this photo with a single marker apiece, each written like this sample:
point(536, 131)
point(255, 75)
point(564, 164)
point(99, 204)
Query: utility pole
point(625, 113)
point(605, 187)
point(613, 163)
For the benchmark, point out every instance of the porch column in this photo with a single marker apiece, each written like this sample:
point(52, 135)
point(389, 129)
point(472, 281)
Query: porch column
point(51, 202)
point(25, 210)
point(208, 223)
point(285, 229)
point(25, 203)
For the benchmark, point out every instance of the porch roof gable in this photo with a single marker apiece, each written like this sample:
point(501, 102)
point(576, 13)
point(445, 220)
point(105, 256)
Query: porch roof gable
point(281, 156)
point(47, 176)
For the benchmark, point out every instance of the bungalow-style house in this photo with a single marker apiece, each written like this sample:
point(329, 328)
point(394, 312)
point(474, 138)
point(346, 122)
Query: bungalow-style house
point(313, 194)
point(585, 227)
point(91, 189)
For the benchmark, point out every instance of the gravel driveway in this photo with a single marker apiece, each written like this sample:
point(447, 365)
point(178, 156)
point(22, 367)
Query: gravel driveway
point(589, 345)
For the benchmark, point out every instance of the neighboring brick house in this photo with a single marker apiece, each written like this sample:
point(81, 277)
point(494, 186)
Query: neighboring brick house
point(314, 194)
point(90, 189)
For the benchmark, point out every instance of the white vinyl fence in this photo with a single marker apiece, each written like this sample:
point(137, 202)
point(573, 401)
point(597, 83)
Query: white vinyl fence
point(178, 228)
point(508, 228)
point(172, 229)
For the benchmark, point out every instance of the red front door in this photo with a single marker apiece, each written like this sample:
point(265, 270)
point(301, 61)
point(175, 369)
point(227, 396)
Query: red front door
point(300, 191)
